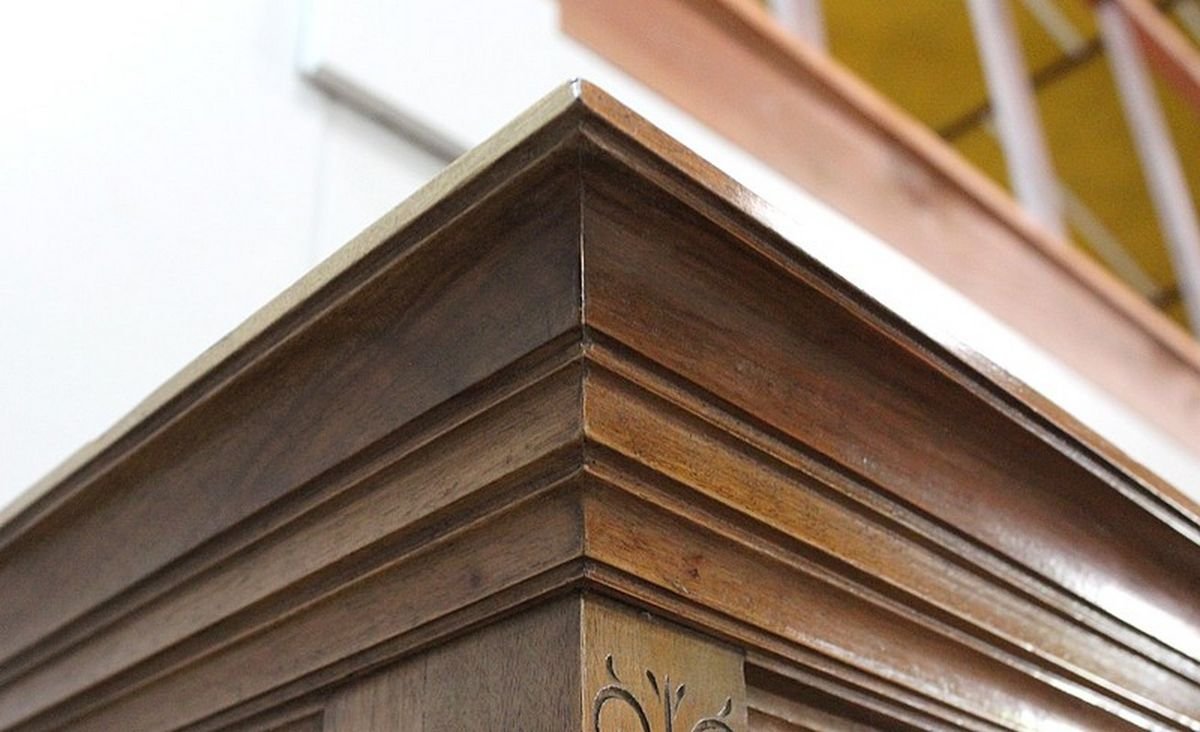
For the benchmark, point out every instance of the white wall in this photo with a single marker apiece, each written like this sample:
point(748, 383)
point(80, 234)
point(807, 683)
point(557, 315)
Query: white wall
point(165, 170)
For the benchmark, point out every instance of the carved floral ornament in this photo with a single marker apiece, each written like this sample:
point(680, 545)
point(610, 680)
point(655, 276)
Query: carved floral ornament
point(668, 697)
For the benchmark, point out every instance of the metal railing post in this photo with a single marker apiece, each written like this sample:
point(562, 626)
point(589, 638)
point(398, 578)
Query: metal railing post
point(803, 18)
point(1160, 161)
point(1015, 111)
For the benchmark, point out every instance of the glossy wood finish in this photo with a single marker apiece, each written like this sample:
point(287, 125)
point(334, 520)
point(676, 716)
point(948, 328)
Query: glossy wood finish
point(578, 413)
point(730, 65)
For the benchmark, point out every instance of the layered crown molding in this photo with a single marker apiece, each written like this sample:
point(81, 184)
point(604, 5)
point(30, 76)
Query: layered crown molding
point(584, 361)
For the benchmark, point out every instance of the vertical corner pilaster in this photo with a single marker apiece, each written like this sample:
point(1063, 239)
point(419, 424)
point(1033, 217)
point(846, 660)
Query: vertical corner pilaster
point(644, 674)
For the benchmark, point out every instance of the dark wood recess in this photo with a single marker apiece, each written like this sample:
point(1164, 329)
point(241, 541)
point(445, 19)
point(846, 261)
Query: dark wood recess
point(574, 439)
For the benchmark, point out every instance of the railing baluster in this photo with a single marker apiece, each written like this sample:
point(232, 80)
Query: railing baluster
point(803, 18)
point(1160, 161)
point(1015, 111)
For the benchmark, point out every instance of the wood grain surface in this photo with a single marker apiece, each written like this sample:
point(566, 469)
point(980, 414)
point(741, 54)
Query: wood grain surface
point(577, 662)
point(585, 427)
point(520, 674)
point(634, 662)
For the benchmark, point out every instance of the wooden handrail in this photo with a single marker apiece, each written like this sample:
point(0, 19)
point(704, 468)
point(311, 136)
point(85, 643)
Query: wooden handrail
point(728, 63)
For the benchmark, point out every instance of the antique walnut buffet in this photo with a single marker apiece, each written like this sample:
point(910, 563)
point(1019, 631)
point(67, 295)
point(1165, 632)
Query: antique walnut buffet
point(574, 439)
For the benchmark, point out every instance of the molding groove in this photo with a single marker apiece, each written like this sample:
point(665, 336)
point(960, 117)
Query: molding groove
point(857, 494)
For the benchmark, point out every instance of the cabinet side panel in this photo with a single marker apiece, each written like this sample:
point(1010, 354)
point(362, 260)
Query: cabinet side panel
point(519, 673)
point(392, 699)
point(307, 724)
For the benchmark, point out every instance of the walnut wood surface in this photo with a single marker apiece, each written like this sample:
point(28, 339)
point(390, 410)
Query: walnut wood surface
point(306, 724)
point(577, 662)
point(633, 660)
point(590, 375)
point(519, 674)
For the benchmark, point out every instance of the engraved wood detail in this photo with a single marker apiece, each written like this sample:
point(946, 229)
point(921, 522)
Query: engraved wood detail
point(645, 673)
point(668, 696)
point(553, 662)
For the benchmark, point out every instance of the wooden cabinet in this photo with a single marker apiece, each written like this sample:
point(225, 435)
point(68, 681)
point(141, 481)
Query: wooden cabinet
point(575, 440)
